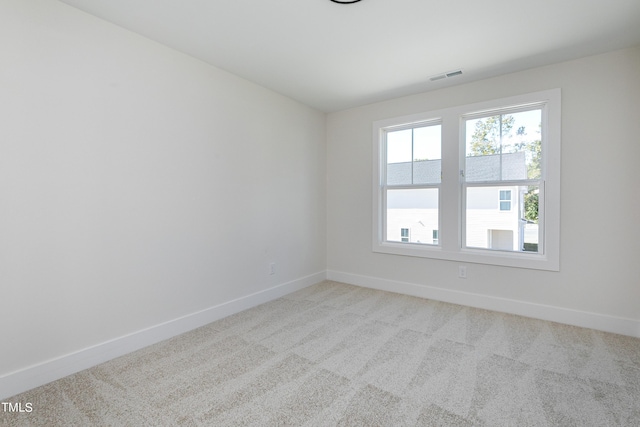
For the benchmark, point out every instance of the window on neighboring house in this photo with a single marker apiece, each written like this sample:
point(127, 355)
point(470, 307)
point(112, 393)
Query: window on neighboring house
point(505, 200)
point(442, 172)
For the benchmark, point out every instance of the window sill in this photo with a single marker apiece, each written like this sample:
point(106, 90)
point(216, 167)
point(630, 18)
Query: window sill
point(533, 261)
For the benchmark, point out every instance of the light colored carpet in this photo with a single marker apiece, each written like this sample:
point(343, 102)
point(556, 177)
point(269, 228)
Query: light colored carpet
point(341, 355)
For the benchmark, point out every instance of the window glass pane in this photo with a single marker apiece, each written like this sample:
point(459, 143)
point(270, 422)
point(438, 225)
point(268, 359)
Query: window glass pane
point(427, 165)
point(531, 219)
point(415, 211)
point(399, 156)
point(496, 220)
point(504, 147)
point(413, 156)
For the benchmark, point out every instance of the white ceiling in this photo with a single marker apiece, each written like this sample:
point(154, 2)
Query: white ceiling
point(332, 56)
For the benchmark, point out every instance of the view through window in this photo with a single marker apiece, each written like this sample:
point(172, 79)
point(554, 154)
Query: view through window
point(503, 155)
point(412, 183)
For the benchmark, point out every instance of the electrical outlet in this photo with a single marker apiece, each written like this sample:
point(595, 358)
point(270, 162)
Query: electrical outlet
point(272, 268)
point(462, 271)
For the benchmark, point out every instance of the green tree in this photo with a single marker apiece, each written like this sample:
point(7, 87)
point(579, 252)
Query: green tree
point(533, 150)
point(489, 133)
point(531, 205)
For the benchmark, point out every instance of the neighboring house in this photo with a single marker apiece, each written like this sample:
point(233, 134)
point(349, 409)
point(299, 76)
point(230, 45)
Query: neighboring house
point(494, 214)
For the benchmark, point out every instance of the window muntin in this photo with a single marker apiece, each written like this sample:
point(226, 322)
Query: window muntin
point(539, 211)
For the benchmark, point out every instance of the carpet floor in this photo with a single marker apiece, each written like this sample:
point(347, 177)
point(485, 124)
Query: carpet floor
point(341, 355)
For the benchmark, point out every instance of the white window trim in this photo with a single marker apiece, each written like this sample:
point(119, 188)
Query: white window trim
point(450, 204)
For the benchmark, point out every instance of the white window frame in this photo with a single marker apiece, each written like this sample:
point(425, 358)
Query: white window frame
point(450, 207)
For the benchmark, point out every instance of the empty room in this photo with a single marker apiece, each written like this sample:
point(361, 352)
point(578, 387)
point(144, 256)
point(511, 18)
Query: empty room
point(319, 213)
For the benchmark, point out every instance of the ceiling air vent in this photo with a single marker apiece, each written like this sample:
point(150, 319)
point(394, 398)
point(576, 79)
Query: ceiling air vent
point(445, 75)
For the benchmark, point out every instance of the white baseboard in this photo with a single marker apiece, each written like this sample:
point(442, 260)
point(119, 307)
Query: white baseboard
point(33, 376)
point(601, 322)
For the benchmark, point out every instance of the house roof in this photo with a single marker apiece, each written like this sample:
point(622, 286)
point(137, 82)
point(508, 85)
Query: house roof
point(509, 166)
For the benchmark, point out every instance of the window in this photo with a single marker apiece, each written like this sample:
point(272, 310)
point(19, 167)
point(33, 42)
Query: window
point(475, 183)
point(503, 153)
point(411, 182)
point(505, 200)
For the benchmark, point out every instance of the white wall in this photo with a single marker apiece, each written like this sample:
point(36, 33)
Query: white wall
point(599, 284)
point(139, 185)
